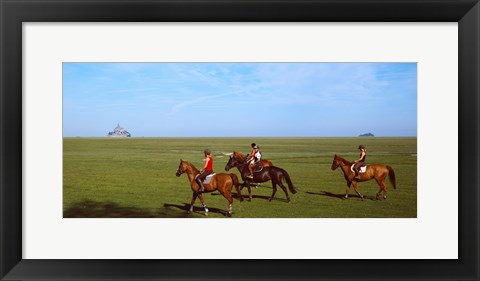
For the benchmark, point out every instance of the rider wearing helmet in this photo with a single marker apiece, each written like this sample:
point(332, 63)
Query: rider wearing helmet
point(253, 159)
point(360, 162)
point(207, 170)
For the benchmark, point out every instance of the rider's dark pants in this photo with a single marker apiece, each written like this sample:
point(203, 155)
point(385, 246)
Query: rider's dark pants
point(357, 166)
point(201, 177)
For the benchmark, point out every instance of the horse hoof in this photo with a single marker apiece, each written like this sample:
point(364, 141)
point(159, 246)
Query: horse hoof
point(229, 215)
point(206, 214)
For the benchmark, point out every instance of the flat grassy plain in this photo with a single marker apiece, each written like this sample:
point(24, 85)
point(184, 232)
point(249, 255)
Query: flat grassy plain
point(135, 177)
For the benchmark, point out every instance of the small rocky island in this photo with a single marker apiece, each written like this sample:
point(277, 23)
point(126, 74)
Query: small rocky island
point(119, 132)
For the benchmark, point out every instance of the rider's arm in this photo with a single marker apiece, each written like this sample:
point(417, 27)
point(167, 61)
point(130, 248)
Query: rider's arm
point(252, 154)
point(207, 160)
point(361, 156)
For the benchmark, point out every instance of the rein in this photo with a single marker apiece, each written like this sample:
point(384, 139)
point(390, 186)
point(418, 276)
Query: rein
point(240, 165)
point(343, 164)
point(189, 169)
point(238, 160)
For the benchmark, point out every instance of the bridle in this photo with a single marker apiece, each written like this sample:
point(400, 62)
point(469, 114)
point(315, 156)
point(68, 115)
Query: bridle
point(340, 163)
point(237, 164)
point(180, 170)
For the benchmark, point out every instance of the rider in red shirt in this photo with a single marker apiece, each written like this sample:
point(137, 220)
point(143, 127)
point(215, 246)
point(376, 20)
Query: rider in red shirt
point(207, 170)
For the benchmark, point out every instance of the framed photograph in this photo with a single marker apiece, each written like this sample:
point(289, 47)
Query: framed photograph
point(100, 98)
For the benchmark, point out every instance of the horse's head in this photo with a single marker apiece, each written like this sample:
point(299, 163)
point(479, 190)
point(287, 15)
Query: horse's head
point(233, 162)
point(335, 163)
point(181, 168)
point(230, 163)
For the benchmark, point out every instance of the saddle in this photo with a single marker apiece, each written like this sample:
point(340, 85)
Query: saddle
point(208, 178)
point(362, 169)
point(258, 167)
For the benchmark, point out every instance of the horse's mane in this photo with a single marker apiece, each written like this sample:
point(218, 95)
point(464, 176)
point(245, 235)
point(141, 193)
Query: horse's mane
point(237, 154)
point(343, 160)
point(239, 158)
point(191, 165)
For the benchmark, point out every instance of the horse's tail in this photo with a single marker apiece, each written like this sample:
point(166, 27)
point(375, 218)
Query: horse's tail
point(289, 182)
point(391, 176)
point(237, 186)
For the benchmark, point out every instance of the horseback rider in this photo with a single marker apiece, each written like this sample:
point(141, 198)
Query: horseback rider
point(360, 162)
point(254, 158)
point(207, 170)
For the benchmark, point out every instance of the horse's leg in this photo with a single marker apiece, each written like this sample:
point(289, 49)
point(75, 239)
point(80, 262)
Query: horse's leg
point(230, 201)
point(203, 203)
point(274, 190)
point(348, 189)
point(194, 197)
point(228, 195)
point(356, 189)
point(284, 190)
point(383, 187)
point(249, 190)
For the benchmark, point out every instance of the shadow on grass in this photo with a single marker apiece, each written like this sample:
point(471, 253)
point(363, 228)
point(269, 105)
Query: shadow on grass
point(245, 196)
point(186, 206)
point(92, 209)
point(339, 196)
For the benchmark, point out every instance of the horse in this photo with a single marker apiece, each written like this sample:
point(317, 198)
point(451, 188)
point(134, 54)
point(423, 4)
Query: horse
point(264, 162)
point(374, 171)
point(272, 173)
point(221, 182)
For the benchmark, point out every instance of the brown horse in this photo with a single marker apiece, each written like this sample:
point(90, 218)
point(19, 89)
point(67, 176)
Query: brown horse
point(270, 173)
point(377, 171)
point(221, 182)
point(264, 162)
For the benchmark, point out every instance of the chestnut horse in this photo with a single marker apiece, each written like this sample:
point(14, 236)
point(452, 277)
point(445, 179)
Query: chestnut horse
point(264, 162)
point(377, 171)
point(221, 182)
point(275, 174)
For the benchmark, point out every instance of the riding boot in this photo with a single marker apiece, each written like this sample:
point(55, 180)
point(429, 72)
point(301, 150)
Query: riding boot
point(357, 176)
point(200, 184)
point(250, 176)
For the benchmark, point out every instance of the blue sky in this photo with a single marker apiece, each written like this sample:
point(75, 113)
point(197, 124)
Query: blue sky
point(240, 99)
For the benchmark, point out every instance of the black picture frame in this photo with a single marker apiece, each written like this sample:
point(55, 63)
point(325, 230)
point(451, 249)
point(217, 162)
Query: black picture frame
point(14, 12)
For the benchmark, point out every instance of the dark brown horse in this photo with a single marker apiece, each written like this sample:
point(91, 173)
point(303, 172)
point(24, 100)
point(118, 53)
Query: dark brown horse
point(270, 173)
point(374, 171)
point(264, 162)
point(221, 182)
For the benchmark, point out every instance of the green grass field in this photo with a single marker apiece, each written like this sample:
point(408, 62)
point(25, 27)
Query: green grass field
point(135, 177)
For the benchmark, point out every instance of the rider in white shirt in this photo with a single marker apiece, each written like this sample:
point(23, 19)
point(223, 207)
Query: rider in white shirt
point(254, 158)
